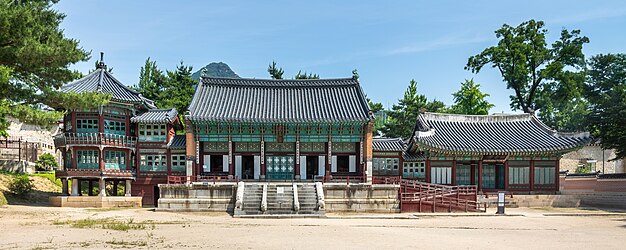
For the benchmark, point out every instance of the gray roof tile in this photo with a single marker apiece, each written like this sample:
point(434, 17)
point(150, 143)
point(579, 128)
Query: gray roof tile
point(102, 81)
point(156, 116)
point(179, 142)
point(256, 100)
point(492, 134)
point(388, 144)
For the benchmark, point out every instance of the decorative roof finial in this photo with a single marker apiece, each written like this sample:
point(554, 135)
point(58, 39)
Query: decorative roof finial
point(101, 64)
point(204, 72)
point(355, 75)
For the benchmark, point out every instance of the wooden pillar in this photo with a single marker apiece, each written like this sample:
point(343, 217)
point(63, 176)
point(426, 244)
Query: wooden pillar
point(506, 175)
point(90, 192)
point(557, 178)
point(101, 157)
point(473, 172)
point(79, 186)
point(263, 169)
point(427, 174)
point(480, 175)
point(453, 177)
point(64, 186)
point(114, 188)
point(368, 152)
point(297, 165)
point(127, 188)
point(532, 175)
point(231, 161)
point(190, 151)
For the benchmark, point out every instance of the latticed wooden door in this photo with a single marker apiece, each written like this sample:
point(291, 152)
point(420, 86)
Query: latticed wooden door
point(279, 167)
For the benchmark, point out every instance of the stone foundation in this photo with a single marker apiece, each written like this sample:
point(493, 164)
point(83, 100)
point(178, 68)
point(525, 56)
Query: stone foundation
point(96, 201)
point(377, 198)
point(218, 197)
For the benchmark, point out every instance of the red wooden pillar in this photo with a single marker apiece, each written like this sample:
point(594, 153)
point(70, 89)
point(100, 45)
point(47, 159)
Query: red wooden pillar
point(296, 173)
point(427, 174)
point(506, 174)
point(453, 177)
point(101, 155)
point(480, 174)
point(532, 175)
point(557, 177)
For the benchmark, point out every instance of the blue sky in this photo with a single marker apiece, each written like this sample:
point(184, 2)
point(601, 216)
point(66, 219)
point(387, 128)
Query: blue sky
point(389, 42)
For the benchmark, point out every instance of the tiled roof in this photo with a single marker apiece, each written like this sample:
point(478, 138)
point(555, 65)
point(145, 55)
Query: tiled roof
point(256, 100)
point(492, 134)
point(156, 116)
point(408, 155)
point(388, 144)
point(102, 81)
point(179, 142)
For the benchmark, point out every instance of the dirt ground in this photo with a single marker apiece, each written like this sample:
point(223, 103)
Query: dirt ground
point(32, 227)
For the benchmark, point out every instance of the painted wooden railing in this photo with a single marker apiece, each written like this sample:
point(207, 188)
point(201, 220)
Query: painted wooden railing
point(64, 139)
point(436, 197)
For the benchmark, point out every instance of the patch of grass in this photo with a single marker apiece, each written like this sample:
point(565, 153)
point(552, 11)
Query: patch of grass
point(103, 223)
point(50, 176)
point(138, 243)
point(3, 200)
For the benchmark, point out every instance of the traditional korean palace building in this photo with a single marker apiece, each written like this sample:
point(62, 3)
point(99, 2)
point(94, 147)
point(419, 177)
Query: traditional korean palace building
point(516, 153)
point(276, 130)
point(125, 141)
point(293, 130)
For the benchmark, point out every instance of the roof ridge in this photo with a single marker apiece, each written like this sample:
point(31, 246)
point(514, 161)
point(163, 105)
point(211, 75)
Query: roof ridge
point(476, 118)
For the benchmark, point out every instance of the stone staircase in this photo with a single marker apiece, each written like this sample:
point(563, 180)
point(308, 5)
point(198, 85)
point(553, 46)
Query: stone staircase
point(307, 197)
point(253, 194)
point(278, 199)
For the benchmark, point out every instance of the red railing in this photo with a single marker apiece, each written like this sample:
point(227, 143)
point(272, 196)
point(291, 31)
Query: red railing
point(435, 197)
point(64, 139)
point(346, 179)
point(386, 179)
point(181, 179)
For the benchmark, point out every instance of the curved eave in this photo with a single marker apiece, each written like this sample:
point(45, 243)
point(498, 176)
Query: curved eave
point(464, 151)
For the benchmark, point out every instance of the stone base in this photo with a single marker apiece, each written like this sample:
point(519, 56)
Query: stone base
point(367, 198)
point(206, 198)
point(96, 201)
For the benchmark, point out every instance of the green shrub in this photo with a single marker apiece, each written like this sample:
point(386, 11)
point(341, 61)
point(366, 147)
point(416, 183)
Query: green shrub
point(46, 162)
point(20, 185)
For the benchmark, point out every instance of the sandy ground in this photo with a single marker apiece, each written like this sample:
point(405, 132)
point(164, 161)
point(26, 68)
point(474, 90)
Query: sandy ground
point(31, 227)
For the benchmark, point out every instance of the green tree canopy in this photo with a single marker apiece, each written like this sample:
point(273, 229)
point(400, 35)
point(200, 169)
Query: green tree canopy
point(470, 100)
point(34, 60)
point(172, 89)
point(380, 115)
point(275, 71)
point(535, 71)
point(606, 92)
point(403, 116)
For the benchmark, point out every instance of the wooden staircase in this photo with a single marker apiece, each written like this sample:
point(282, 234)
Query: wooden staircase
point(416, 196)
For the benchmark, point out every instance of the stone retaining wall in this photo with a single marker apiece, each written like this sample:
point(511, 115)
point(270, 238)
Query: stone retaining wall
point(181, 197)
point(379, 198)
point(96, 201)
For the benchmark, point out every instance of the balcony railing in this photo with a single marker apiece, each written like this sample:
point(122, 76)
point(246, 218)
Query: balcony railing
point(94, 173)
point(66, 139)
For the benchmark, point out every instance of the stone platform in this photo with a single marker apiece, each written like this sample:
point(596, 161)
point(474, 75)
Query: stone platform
point(96, 201)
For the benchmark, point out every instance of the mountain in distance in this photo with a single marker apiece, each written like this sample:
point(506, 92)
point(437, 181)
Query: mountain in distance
point(214, 69)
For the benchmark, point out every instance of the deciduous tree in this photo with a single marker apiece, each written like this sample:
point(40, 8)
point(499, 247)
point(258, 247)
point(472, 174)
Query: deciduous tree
point(606, 92)
point(527, 63)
